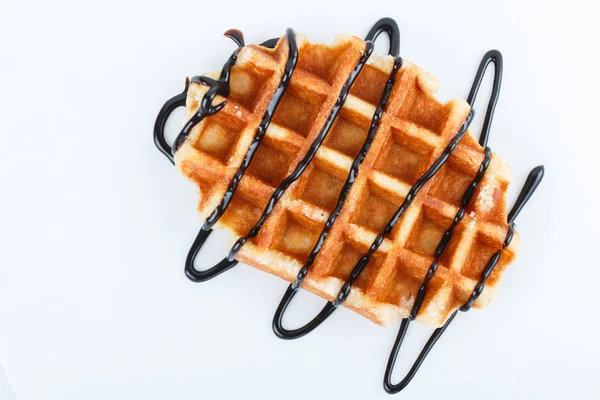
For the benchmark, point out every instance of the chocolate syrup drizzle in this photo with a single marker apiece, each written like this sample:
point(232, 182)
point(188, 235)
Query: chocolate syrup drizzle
point(533, 180)
point(468, 195)
point(290, 66)
point(216, 87)
point(343, 293)
point(229, 261)
point(490, 56)
point(531, 184)
point(312, 151)
point(221, 87)
point(391, 29)
point(205, 231)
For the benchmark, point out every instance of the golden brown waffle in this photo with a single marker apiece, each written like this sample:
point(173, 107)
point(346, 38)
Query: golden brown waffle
point(413, 132)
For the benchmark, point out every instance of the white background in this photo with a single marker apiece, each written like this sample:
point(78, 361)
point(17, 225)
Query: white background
point(95, 223)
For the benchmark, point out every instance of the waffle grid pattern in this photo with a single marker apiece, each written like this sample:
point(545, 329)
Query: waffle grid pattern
point(413, 132)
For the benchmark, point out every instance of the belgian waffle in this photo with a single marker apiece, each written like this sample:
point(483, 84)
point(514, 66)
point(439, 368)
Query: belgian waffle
point(413, 132)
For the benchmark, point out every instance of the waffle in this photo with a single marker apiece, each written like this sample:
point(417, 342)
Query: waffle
point(413, 132)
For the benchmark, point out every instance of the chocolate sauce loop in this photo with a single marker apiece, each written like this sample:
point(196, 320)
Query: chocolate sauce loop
point(387, 381)
point(492, 56)
point(201, 276)
point(161, 121)
point(390, 27)
point(191, 272)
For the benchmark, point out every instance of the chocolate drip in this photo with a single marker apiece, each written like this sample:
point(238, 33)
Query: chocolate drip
point(387, 381)
point(354, 170)
point(487, 271)
point(236, 35)
point(412, 193)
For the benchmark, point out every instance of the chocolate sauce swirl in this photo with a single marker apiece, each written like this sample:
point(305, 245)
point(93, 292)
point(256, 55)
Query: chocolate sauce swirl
point(492, 56)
